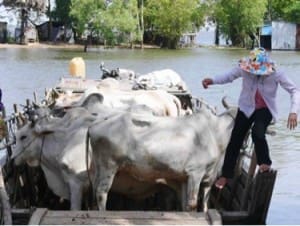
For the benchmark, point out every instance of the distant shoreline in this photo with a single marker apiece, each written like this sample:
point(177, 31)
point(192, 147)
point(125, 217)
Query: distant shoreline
point(41, 45)
point(64, 46)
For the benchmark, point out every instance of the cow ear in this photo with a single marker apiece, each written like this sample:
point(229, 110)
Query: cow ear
point(94, 98)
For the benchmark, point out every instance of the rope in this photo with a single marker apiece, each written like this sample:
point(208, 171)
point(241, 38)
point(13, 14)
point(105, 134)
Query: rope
point(42, 148)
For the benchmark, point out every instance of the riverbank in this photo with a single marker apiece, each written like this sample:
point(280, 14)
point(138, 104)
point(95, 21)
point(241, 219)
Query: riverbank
point(68, 46)
point(42, 45)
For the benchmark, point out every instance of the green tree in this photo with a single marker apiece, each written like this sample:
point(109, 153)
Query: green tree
point(117, 21)
point(61, 11)
point(239, 18)
point(172, 18)
point(84, 12)
point(292, 12)
point(277, 9)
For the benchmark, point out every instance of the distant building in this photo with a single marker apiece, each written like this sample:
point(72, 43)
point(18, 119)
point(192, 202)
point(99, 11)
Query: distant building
point(44, 29)
point(280, 35)
point(3, 32)
point(57, 32)
point(31, 34)
point(188, 39)
point(266, 36)
point(206, 36)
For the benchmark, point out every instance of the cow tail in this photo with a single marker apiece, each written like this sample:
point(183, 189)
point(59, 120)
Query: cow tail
point(90, 187)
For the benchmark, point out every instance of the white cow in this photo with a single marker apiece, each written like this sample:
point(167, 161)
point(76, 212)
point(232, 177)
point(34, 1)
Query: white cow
point(59, 146)
point(160, 102)
point(161, 79)
point(166, 150)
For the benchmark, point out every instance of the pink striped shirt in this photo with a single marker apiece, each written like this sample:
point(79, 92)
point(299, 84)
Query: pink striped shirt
point(259, 101)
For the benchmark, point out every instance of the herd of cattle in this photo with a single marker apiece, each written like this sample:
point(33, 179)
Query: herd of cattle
point(114, 137)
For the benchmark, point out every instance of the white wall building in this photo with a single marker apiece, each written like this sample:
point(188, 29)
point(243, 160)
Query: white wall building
point(280, 35)
point(283, 35)
point(206, 36)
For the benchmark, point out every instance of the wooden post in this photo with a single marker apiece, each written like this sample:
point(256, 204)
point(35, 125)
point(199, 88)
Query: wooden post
point(35, 99)
point(19, 123)
point(27, 102)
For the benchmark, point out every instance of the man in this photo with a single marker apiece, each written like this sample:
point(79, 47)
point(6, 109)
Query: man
point(257, 106)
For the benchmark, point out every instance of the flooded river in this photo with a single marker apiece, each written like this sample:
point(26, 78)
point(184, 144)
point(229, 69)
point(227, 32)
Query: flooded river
point(23, 71)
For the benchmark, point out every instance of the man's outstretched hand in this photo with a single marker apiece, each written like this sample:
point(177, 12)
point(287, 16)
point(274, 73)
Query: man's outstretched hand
point(206, 82)
point(292, 121)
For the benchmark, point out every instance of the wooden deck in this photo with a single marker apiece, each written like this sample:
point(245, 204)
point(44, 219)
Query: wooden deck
point(48, 217)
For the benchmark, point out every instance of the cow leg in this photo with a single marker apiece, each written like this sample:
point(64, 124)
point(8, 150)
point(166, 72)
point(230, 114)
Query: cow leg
point(183, 196)
point(208, 182)
point(102, 185)
point(76, 194)
point(193, 185)
point(206, 192)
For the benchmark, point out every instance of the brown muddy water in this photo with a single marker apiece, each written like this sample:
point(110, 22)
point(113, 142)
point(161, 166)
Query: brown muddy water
point(23, 71)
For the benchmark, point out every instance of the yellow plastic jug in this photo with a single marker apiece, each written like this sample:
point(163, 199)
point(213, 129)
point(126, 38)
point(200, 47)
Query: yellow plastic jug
point(77, 67)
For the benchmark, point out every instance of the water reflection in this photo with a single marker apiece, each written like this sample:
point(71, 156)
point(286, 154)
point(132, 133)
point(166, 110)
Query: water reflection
point(23, 71)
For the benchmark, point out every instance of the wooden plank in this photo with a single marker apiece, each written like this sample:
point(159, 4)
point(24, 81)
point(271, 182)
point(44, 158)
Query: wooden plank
point(234, 217)
point(226, 195)
point(235, 205)
point(262, 193)
point(127, 214)
point(108, 221)
point(214, 217)
point(239, 193)
point(243, 178)
point(125, 217)
point(20, 211)
point(234, 214)
point(37, 216)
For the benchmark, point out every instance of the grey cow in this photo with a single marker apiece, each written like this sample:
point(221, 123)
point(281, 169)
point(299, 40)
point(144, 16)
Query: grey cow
point(58, 145)
point(173, 151)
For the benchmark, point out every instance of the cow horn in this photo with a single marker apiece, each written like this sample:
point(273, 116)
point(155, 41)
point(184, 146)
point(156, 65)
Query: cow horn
point(35, 106)
point(52, 105)
point(224, 102)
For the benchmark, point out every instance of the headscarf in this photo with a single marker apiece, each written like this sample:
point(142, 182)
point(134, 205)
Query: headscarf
point(258, 63)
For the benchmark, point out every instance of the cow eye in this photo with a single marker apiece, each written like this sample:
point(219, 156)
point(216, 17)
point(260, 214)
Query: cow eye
point(22, 137)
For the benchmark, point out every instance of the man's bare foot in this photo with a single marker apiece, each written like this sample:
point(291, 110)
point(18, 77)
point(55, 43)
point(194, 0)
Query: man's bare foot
point(264, 168)
point(221, 182)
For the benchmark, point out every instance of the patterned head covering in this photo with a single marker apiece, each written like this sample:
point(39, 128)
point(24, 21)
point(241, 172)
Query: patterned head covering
point(258, 63)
